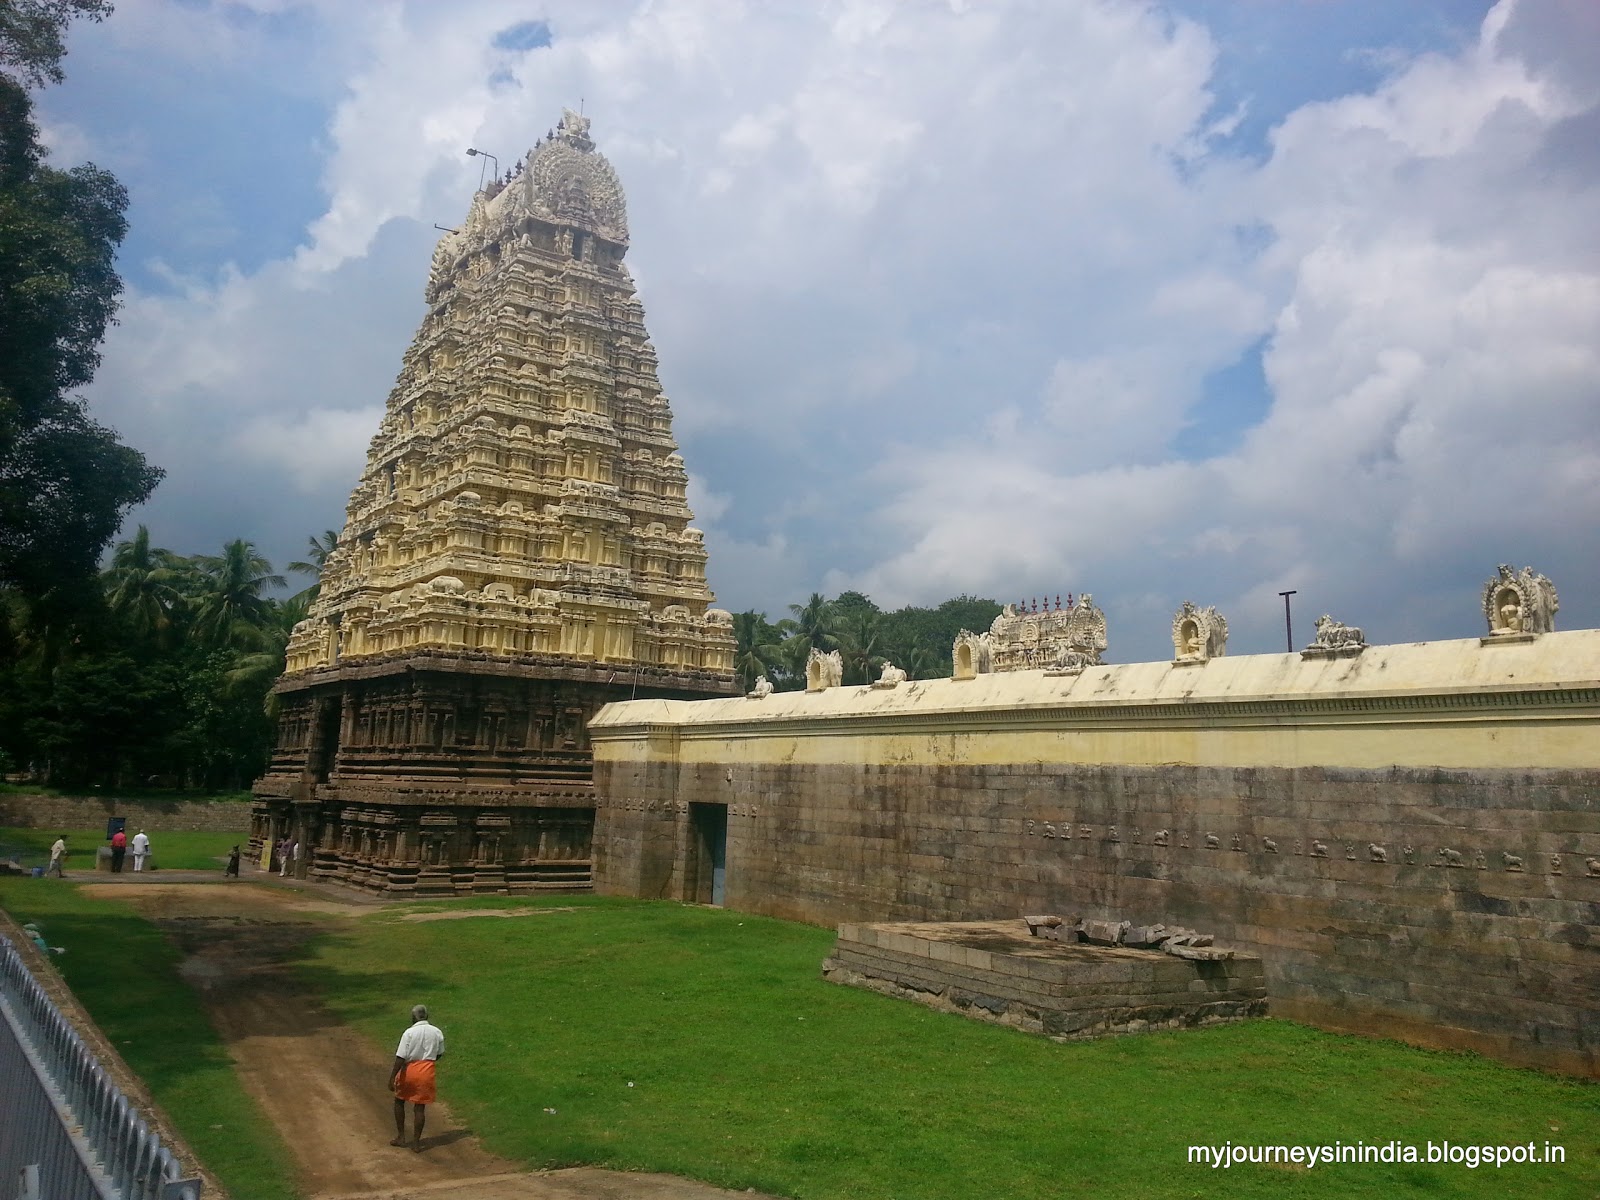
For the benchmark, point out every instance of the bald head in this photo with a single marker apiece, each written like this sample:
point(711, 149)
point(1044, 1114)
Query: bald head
point(419, 1012)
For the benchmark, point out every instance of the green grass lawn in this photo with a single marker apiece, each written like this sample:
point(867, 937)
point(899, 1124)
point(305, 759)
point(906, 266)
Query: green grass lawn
point(747, 1070)
point(705, 1043)
point(126, 975)
point(172, 851)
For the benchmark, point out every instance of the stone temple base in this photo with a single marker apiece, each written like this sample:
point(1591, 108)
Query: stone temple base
point(994, 971)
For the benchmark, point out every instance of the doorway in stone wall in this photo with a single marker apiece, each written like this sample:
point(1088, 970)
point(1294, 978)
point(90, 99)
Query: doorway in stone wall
point(325, 749)
point(710, 822)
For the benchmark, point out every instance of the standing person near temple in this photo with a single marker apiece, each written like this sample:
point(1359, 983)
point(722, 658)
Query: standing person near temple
point(58, 858)
point(411, 1078)
point(119, 850)
point(233, 864)
point(141, 850)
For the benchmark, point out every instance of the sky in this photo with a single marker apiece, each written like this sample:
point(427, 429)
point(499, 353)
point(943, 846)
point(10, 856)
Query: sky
point(1182, 299)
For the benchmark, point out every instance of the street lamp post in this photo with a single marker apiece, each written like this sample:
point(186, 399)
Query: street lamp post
point(1288, 626)
point(474, 153)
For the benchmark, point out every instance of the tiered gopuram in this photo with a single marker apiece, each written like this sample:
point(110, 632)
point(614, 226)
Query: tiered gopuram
point(516, 554)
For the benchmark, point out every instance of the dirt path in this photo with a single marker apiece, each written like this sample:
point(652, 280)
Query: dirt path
point(322, 1084)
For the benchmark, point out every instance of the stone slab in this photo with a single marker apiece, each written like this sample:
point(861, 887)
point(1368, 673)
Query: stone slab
point(997, 971)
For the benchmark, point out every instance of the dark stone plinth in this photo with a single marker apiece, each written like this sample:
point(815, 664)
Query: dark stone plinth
point(444, 775)
point(995, 971)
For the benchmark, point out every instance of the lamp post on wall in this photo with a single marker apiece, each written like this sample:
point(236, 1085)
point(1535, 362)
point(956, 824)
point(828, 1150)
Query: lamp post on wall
point(474, 153)
point(1288, 626)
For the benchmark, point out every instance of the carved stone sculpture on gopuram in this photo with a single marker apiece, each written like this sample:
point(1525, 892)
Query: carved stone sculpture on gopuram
point(1065, 638)
point(1519, 605)
point(1335, 639)
point(517, 553)
point(1198, 634)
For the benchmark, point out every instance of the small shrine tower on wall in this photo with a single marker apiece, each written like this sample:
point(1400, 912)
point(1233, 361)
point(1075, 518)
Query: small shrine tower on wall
point(517, 553)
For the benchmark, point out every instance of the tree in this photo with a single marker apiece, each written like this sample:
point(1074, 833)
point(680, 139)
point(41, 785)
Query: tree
point(861, 642)
point(232, 609)
point(757, 650)
point(31, 35)
point(143, 585)
point(847, 605)
point(920, 662)
point(256, 672)
point(65, 480)
point(934, 630)
point(810, 627)
point(102, 718)
point(316, 559)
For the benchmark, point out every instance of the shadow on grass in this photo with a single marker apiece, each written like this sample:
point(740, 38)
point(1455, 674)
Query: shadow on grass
point(127, 975)
point(368, 994)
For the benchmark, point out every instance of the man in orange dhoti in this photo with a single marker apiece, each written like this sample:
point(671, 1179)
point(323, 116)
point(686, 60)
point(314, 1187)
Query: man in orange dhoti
point(411, 1079)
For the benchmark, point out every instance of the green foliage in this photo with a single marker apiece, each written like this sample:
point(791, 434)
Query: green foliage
point(810, 626)
point(232, 606)
point(145, 586)
point(933, 631)
point(917, 640)
point(748, 1070)
point(862, 637)
point(758, 650)
point(32, 33)
point(102, 713)
point(126, 974)
point(161, 675)
point(65, 480)
point(318, 549)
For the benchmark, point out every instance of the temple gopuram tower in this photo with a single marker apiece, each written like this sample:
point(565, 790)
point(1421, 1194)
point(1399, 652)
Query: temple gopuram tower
point(517, 553)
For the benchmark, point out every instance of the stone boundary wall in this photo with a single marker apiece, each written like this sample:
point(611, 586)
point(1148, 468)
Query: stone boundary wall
point(92, 812)
point(1409, 842)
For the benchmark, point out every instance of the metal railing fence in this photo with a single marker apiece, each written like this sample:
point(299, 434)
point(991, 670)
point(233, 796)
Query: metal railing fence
point(66, 1130)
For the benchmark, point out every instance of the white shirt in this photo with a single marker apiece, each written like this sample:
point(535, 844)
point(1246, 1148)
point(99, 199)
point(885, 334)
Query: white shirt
point(421, 1043)
point(141, 844)
point(57, 850)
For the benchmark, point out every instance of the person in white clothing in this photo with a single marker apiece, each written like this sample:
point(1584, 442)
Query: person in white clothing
point(141, 850)
point(411, 1077)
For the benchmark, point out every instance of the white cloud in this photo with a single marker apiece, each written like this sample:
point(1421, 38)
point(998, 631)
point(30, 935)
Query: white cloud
point(936, 289)
point(311, 447)
point(1433, 373)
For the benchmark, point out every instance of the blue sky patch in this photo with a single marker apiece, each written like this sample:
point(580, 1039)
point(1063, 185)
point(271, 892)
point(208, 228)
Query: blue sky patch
point(1274, 57)
point(526, 35)
point(1232, 400)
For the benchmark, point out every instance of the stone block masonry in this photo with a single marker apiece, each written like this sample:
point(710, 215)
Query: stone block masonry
point(1409, 839)
point(92, 812)
point(518, 551)
point(994, 971)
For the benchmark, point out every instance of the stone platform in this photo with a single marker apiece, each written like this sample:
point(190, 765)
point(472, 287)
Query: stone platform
point(994, 971)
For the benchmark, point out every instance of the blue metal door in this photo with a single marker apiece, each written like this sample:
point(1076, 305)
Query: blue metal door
point(711, 826)
point(717, 832)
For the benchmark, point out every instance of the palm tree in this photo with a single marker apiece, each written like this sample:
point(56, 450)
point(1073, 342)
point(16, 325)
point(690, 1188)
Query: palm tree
point(811, 627)
point(919, 662)
point(142, 585)
point(316, 558)
point(257, 670)
point(860, 638)
point(757, 651)
point(232, 609)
